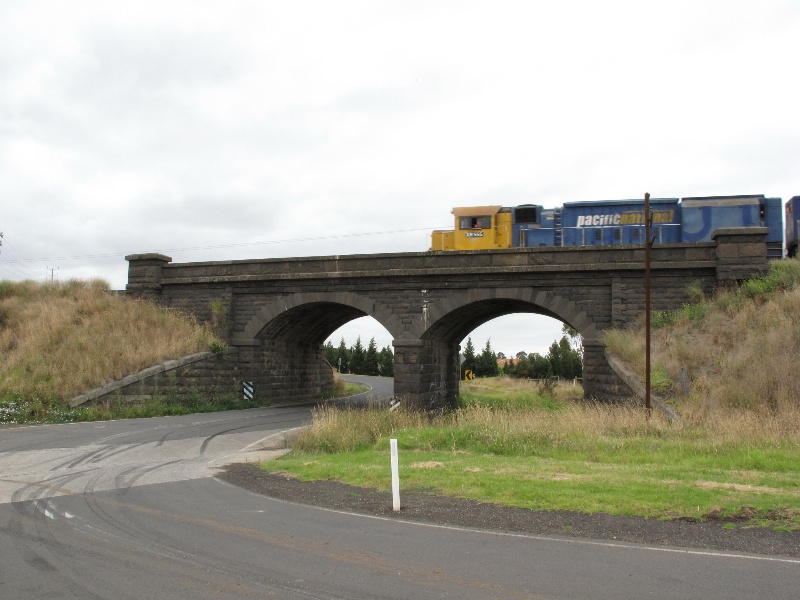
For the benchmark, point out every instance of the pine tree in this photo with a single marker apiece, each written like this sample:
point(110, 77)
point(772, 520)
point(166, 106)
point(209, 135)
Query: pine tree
point(486, 363)
point(342, 357)
point(371, 359)
point(357, 357)
point(386, 362)
point(329, 352)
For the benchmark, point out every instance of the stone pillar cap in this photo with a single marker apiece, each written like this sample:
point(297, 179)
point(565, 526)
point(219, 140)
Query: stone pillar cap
point(148, 256)
point(739, 231)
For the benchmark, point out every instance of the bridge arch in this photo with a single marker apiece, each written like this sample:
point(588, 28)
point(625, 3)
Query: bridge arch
point(458, 316)
point(451, 318)
point(285, 335)
point(315, 315)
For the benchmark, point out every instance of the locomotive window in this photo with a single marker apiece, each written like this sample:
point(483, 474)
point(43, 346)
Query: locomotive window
point(475, 222)
point(525, 214)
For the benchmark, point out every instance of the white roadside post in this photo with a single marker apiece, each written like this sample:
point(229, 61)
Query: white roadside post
point(395, 476)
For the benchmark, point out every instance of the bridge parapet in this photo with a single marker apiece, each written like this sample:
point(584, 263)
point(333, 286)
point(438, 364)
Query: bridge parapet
point(156, 268)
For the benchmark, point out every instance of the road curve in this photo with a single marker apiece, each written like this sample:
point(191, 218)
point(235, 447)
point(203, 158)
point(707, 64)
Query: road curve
point(130, 510)
point(380, 388)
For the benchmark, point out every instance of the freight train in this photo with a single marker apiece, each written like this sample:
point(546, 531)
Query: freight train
point(613, 222)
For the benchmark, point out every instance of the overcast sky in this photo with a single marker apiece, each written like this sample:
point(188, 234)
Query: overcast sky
point(236, 130)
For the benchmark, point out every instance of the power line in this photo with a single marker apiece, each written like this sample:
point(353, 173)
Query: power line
point(238, 245)
point(15, 265)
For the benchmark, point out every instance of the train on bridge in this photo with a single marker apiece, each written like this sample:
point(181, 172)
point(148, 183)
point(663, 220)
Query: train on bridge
point(617, 222)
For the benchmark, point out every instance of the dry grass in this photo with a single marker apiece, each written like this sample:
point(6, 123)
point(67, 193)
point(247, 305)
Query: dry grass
point(579, 420)
point(572, 425)
point(739, 349)
point(62, 339)
point(336, 430)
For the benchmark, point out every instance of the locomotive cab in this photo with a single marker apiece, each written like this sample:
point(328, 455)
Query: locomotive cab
point(476, 228)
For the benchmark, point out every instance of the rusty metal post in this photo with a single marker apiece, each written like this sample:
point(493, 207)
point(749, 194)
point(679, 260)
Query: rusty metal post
point(647, 245)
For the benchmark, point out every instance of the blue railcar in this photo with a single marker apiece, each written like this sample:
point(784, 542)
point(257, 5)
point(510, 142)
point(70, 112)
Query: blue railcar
point(703, 216)
point(792, 225)
point(615, 222)
point(533, 225)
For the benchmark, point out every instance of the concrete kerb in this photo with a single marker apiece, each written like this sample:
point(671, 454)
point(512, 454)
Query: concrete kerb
point(170, 365)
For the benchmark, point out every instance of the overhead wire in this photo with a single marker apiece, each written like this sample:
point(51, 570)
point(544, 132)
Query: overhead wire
point(236, 245)
point(18, 262)
point(16, 265)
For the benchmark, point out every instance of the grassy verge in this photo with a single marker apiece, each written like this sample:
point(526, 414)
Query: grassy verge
point(18, 410)
point(35, 411)
point(557, 454)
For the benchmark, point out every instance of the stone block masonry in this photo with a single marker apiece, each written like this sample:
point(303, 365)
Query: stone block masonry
point(277, 313)
point(204, 374)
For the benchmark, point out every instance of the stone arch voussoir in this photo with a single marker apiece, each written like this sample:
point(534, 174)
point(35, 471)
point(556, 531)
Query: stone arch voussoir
point(562, 308)
point(276, 307)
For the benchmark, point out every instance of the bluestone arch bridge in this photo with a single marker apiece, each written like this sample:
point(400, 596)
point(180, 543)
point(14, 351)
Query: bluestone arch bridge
point(276, 313)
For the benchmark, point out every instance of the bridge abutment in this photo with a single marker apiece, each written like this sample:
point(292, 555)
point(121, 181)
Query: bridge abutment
point(282, 371)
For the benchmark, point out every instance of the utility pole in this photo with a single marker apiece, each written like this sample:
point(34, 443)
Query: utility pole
point(53, 272)
point(647, 245)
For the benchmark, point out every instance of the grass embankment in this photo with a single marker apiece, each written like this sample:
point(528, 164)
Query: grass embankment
point(58, 340)
point(734, 455)
point(739, 350)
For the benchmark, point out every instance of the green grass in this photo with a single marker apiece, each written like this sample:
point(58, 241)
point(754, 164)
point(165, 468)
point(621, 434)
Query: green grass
point(561, 455)
point(648, 488)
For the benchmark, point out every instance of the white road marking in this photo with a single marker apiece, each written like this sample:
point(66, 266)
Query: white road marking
point(545, 538)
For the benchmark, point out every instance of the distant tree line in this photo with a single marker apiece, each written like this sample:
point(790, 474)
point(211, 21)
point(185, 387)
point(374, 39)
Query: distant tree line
point(564, 359)
point(360, 361)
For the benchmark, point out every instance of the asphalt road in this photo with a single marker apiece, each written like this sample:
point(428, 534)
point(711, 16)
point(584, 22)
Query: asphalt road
point(380, 388)
point(130, 510)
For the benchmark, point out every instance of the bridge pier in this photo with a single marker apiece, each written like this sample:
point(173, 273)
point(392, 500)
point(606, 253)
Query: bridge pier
point(426, 373)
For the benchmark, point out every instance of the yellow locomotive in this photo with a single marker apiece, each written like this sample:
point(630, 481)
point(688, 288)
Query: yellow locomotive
point(476, 228)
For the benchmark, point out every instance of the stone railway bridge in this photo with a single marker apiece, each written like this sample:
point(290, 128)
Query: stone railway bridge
point(276, 313)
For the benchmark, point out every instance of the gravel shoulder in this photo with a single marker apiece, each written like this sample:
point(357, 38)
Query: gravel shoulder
point(444, 510)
